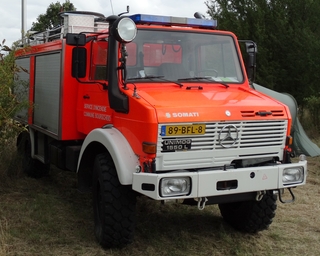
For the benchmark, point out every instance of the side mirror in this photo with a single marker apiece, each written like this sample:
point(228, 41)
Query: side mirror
point(251, 47)
point(76, 39)
point(250, 60)
point(79, 62)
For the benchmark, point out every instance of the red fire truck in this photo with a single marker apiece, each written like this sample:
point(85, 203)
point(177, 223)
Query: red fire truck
point(156, 106)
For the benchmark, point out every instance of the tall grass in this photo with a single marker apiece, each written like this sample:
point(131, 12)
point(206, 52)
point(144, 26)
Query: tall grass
point(10, 164)
point(4, 247)
point(3, 234)
point(6, 155)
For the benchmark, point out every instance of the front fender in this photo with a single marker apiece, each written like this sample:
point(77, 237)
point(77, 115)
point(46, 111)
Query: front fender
point(115, 143)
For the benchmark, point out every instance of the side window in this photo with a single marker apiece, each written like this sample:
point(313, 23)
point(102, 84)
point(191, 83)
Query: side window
point(99, 61)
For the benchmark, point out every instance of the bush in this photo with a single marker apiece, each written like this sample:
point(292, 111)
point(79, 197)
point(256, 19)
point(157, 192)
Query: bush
point(9, 105)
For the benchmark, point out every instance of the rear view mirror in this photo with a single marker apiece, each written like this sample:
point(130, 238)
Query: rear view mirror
point(79, 62)
point(251, 47)
point(250, 60)
point(76, 39)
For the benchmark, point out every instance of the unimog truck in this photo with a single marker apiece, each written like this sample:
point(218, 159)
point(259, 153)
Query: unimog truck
point(155, 106)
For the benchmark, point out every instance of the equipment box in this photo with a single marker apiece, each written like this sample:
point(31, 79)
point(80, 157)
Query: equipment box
point(76, 23)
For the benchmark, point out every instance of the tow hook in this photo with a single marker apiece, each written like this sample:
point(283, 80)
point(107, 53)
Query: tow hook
point(293, 198)
point(202, 203)
point(260, 195)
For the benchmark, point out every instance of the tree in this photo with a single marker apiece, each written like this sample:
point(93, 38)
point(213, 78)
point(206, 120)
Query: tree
point(288, 40)
point(51, 18)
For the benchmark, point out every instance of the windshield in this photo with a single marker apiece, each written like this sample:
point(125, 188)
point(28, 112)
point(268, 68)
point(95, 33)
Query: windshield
point(182, 56)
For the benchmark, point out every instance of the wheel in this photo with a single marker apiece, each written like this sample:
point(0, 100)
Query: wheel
point(32, 167)
point(113, 205)
point(250, 216)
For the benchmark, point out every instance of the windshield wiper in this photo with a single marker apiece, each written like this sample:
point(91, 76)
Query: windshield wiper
point(155, 77)
point(208, 78)
point(144, 77)
point(196, 78)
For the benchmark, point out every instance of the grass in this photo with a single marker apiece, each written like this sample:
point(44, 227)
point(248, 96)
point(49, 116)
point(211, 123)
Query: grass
point(3, 236)
point(49, 216)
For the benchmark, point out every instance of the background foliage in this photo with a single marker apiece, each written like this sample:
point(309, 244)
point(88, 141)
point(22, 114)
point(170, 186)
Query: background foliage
point(10, 103)
point(287, 33)
point(52, 18)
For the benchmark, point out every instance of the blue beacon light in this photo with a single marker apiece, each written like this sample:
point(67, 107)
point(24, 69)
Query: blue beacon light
point(170, 20)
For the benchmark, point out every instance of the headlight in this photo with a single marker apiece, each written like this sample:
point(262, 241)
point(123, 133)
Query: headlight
point(175, 186)
point(293, 175)
point(124, 30)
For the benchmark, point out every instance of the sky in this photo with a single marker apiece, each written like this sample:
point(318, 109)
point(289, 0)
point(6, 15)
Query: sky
point(10, 12)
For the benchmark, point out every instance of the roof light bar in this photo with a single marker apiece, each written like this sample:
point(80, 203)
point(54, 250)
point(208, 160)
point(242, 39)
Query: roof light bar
point(174, 21)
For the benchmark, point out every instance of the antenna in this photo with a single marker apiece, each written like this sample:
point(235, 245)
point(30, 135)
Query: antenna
point(23, 20)
point(111, 7)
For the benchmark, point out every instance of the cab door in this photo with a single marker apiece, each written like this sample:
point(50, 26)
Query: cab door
point(93, 105)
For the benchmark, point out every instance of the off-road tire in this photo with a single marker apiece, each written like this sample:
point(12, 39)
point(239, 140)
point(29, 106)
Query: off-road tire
point(31, 167)
point(250, 216)
point(113, 205)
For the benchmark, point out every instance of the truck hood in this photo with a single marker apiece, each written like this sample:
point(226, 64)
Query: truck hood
point(174, 104)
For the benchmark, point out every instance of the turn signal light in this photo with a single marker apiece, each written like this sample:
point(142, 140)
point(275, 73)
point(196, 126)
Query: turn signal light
point(149, 148)
point(289, 141)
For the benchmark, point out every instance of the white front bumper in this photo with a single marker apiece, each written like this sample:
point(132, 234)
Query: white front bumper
point(204, 183)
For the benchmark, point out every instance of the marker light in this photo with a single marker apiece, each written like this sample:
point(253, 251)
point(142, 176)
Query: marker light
point(302, 157)
point(289, 140)
point(169, 20)
point(124, 30)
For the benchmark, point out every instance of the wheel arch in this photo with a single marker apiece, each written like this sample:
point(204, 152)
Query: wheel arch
point(113, 143)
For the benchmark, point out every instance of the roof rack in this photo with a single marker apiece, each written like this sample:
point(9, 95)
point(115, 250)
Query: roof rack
point(73, 22)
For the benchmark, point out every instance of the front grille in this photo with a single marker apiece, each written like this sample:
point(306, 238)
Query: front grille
point(235, 135)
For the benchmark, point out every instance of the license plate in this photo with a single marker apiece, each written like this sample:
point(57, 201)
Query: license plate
point(176, 145)
point(174, 130)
